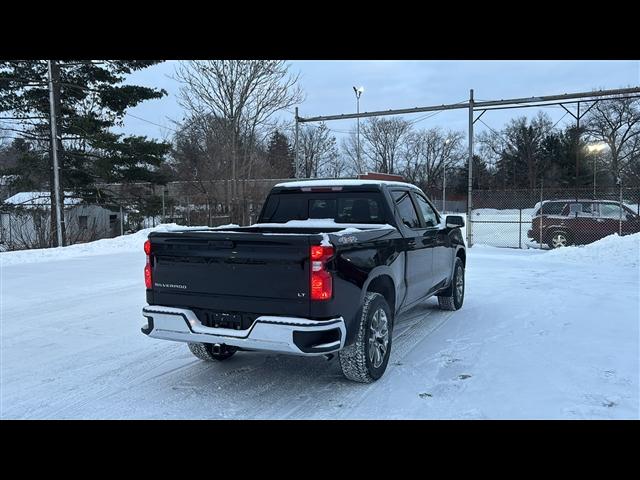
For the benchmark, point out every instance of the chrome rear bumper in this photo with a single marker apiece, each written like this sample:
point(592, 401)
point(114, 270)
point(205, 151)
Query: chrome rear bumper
point(293, 335)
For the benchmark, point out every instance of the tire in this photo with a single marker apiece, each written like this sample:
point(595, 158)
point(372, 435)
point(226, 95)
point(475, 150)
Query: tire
point(559, 239)
point(453, 297)
point(366, 359)
point(209, 352)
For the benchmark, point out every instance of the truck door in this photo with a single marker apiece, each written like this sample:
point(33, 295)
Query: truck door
point(417, 245)
point(439, 238)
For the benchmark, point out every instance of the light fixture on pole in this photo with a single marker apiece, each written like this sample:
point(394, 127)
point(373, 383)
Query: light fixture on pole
point(595, 148)
point(358, 91)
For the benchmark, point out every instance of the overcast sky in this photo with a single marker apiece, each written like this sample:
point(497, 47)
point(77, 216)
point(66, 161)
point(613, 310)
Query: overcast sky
point(403, 84)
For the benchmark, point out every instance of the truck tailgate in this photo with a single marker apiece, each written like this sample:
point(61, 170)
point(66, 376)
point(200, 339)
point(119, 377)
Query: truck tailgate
point(250, 272)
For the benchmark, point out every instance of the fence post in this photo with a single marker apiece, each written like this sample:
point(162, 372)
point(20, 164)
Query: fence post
point(620, 209)
point(540, 215)
point(520, 230)
point(470, 173)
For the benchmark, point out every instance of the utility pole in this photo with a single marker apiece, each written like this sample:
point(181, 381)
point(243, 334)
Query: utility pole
point(297, 158)
point(56, 198)
point(470, 169)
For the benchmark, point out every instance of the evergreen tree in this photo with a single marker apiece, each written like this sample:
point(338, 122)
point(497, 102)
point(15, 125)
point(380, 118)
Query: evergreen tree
point(92, 100)
point(280, 156)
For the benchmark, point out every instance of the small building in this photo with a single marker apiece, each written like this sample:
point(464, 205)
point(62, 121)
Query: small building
point(25, 221)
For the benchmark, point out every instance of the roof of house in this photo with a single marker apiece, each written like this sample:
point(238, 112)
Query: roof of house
point(39, 199)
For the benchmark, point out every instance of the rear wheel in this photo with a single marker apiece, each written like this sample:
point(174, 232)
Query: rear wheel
point(559, 239)
point(210, 352)
point(366, 359)
point(453, 297)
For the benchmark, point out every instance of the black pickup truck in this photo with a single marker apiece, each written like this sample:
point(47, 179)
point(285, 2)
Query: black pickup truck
point(327, 268)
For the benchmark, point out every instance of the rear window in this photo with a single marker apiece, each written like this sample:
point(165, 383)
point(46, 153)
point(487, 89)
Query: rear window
point(345, 207)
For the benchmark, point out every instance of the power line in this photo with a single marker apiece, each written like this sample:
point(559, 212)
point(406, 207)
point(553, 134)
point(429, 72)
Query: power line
point(149, 121)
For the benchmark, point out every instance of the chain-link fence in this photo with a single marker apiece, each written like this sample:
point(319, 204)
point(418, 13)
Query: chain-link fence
point(539, 218)
point(25, 218)
point(551, 218)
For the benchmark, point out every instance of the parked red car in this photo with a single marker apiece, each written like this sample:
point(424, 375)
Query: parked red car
point(559, 223)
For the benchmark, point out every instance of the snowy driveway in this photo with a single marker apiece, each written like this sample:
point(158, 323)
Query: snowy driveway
point(541, 335)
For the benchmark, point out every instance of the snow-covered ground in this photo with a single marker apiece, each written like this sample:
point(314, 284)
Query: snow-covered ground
point(541, 335)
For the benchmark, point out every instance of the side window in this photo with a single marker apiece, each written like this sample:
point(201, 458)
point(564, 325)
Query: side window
point(589, 209)
point(83, 222)
point(575, 208)
point(552, 208)
point(428, 213)
point(610, 210)
point(406, 209)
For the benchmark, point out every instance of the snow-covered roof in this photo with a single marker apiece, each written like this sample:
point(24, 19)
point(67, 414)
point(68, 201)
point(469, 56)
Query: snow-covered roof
point(39, 199)
point(7, 179)
point(341, 182)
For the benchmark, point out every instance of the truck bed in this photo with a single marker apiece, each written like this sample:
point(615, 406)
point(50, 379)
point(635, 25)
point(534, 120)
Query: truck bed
point(245, 271)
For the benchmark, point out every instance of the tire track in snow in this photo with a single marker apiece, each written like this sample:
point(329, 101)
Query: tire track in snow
point(413, 330)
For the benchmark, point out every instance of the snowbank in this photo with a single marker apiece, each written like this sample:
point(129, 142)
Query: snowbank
point(612, 250)
point(123, 243)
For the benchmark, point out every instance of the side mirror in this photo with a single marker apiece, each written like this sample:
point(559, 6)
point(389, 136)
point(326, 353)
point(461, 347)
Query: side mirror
point(454, 221)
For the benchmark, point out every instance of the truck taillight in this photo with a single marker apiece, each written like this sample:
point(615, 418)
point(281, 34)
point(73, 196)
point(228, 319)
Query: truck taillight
point(147, 268)
point(321, 283)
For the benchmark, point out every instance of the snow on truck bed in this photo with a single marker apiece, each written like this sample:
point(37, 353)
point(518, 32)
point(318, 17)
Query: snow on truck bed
point(325, 223)
point(541, 335)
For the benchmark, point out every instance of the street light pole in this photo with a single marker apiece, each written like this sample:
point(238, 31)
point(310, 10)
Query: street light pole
point(594, 149)
point(444, 178)
point(444, 187)
point(594, 176)
point(358, 91)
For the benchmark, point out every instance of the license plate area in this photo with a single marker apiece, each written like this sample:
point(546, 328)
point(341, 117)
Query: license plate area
point(230, 320)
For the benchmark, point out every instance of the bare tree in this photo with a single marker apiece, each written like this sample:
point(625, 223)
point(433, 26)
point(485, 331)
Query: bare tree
point(428, 152)
point(383, 140)
point(354, 164)
point(245, 93)
point(317, 149)
point(335, 165)
point(617, 123)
